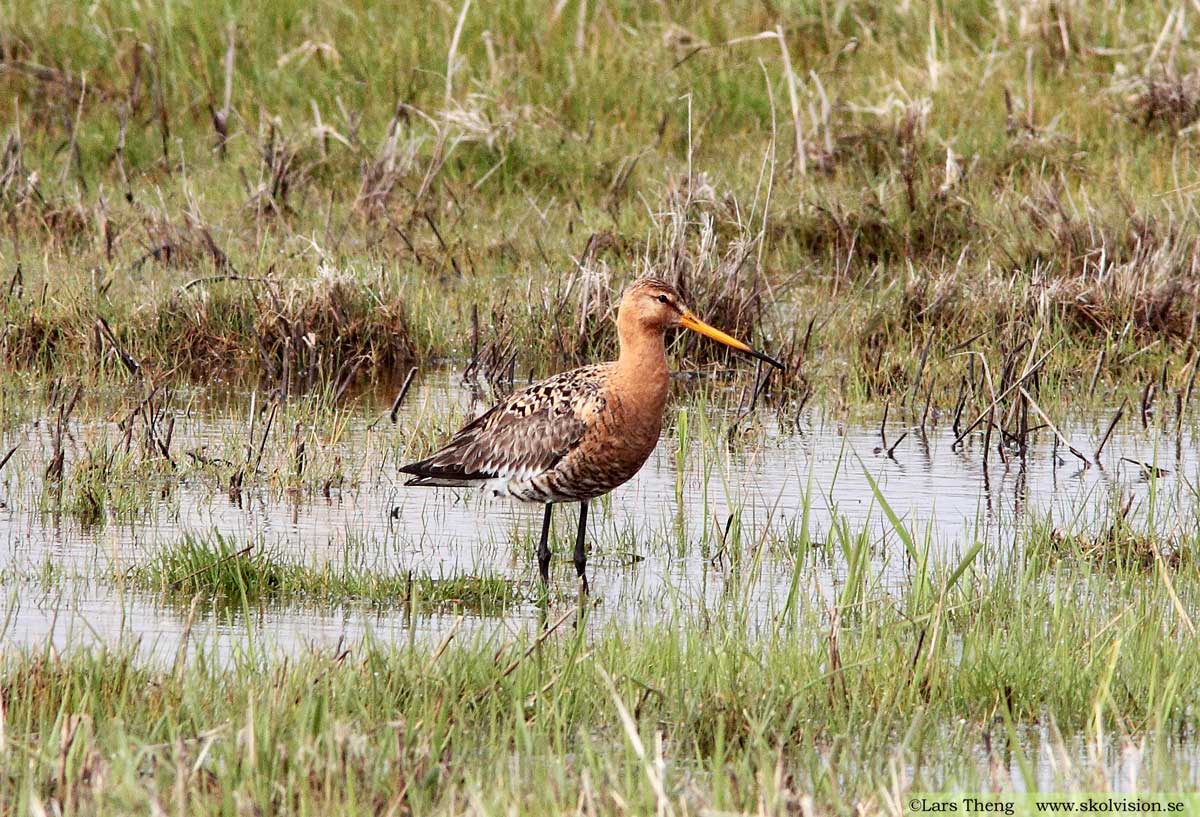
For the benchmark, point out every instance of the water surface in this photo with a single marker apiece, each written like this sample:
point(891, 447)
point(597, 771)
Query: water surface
point(668, 543)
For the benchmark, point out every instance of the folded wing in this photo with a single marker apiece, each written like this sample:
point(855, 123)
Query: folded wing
point(520, 438)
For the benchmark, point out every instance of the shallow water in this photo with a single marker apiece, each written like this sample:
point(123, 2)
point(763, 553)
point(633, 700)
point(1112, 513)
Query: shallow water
point(658, 539)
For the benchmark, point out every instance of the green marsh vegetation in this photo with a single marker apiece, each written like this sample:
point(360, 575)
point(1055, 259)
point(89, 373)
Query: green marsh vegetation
point(319, 194)
point(233, 574)
point(228, 229)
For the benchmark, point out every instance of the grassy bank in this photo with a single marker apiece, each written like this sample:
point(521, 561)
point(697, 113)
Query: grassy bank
point(310, 194)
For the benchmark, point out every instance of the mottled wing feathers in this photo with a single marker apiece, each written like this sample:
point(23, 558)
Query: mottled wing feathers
point(500, 444)
point(521, 437)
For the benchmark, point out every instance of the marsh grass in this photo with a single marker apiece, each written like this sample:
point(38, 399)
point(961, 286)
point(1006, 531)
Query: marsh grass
point(1121, 544)
point(106, 484)
point(1118, 546)
point(230, 574)
point(310, 202)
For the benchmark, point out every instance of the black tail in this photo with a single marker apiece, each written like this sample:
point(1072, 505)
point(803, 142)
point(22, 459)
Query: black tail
point(428, 473)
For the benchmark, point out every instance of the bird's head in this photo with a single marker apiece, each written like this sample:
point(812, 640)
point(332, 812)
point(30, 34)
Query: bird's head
point(655, 305)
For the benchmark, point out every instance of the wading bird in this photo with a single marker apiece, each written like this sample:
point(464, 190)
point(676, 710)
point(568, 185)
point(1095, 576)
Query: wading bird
point(577, 435)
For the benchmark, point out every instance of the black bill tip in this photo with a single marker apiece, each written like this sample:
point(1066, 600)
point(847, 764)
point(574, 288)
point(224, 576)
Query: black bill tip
point(767, 359)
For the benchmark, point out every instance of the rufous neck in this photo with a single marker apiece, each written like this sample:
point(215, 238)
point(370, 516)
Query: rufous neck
point(642, 349)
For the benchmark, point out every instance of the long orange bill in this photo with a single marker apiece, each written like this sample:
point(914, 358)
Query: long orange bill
point(690, 321)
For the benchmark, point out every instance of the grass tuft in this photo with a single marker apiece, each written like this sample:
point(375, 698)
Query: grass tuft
point(229, 574)
point(1120, 548)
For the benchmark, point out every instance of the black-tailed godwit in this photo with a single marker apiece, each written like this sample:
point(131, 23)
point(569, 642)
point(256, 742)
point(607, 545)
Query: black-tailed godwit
point(577, 435)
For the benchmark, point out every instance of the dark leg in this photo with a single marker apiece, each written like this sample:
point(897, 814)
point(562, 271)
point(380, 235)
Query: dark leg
point(543, 552)
point(580, 553)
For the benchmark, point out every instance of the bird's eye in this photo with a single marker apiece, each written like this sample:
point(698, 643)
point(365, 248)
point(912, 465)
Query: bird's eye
point(662, 299)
